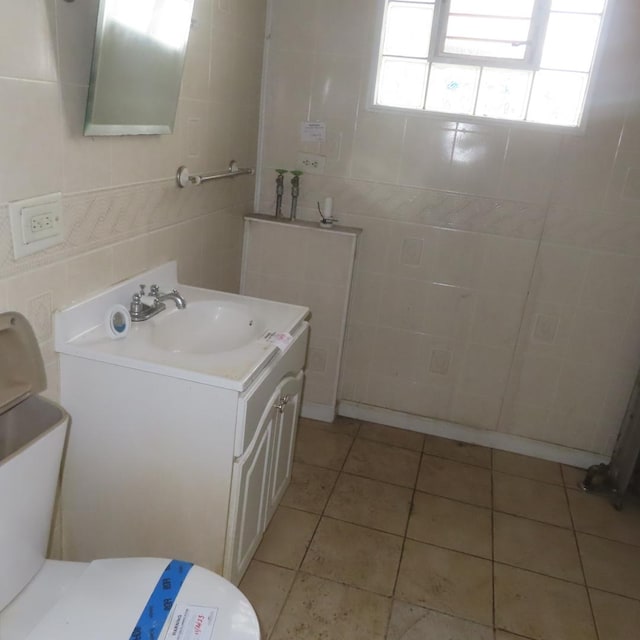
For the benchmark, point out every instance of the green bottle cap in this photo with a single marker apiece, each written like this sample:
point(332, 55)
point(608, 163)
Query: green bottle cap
point(297, 173)
point(281, 171)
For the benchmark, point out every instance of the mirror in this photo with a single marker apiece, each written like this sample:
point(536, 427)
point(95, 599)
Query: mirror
point(138, 59)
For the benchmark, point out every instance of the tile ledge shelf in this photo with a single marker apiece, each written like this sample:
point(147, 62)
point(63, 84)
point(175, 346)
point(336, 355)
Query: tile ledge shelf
point(261, 217)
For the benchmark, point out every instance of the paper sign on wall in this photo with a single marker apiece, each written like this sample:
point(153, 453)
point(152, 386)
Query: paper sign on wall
point(313, 132)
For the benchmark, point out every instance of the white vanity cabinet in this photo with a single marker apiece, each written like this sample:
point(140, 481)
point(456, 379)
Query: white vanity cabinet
point(261, 474)
point(170, 462)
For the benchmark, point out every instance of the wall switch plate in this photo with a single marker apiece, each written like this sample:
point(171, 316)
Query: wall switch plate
point(311, 162)
point(36, 224)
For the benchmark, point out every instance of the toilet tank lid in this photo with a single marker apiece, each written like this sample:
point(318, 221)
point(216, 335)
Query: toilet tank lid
point(21, 366)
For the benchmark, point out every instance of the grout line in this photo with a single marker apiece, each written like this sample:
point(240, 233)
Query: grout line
point(584, 575)
point(493, 558)
point(406, 528)
point(297, 571)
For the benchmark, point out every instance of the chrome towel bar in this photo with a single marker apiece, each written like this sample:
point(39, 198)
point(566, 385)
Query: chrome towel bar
point(184, 179)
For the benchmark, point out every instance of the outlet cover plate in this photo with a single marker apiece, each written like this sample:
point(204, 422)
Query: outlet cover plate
point(23, 213)
point(311, 162)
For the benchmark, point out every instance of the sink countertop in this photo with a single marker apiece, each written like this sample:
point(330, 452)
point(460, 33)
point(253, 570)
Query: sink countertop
point(80, 331)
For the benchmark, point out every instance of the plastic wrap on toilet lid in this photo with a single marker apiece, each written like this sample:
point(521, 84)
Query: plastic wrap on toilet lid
point(106, 601)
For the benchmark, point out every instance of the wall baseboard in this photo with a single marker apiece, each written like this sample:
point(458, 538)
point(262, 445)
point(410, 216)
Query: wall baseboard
point(315, 411)
point(472, 435)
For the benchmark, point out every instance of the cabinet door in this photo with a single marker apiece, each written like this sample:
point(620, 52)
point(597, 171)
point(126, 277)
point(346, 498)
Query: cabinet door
point(287, 408)
point(249, 502)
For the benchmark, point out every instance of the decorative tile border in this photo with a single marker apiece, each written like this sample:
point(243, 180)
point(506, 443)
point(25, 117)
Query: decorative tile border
point(99, 218)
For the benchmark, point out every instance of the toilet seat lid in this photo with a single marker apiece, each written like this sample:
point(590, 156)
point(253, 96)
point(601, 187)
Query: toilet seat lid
point(106, 601)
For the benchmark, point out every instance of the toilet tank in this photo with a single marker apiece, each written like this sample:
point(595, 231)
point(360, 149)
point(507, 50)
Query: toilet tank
point(32, 436)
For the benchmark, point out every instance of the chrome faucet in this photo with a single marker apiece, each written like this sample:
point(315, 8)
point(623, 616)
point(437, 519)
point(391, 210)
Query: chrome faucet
point(145, 306)
point(181, 303)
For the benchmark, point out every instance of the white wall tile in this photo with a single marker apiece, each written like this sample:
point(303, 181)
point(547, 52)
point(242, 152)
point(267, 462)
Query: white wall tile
point(530, 164)
point(377, 147)
point(507, 264)
point(497, 319)
point(76, 24)
point(426, 153)
point(28, 40)
point(521, 218)
point(336, 86)
point(611, 282)
point(350, 34)
point(560, 274)
point(30, 139)
point(86, 160)
point(459, 258)
point(477, 160)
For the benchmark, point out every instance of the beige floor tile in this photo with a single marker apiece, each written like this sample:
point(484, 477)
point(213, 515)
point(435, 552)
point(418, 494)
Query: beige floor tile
point(527, 467)
point(320, 447)
point(455, 480)
point(410, 622)
point(318, 608)
point(593, 513)
point(617, 618)
point(450, 524)
point(341, 425)
point(287, 537)
point(541, 607)
point(370, 503)
point(458, 451)
point(383, 462)
point(310, 487)
point(447, 581)
point(266, 588)
point(536, 546)
point(505, 635)
point(572, 476)
point(354, 555)
point(391, 435)
point(531, 499)
point(610, 566)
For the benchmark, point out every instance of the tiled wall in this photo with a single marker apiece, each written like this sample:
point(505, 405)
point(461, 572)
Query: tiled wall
point(312, 267)
point(498, 277)
point(123, 212)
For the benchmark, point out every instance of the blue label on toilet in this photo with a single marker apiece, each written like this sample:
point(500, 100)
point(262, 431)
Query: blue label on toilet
point(160, 603)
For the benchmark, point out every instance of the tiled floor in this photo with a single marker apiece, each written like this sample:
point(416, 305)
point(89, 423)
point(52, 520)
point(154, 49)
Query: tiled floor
point(388, 534)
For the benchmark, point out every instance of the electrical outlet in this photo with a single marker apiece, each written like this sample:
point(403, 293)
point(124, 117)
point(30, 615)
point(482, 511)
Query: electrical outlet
point(311, 163)
point(36, 224)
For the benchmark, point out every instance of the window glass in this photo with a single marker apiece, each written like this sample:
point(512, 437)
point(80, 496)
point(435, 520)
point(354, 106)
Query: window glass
point(516, 8)
point(408, 30)
point(504, 93)
point(578, 6)
point(574, 53)
point(527, 60)
point(402, 83)
point(557, 97)
point(452, 88)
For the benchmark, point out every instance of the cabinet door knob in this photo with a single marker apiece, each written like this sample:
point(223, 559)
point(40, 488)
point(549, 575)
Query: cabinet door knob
point(282, 402)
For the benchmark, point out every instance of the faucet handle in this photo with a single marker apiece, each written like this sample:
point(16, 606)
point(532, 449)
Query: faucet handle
point(155, 290)
point(142, 288)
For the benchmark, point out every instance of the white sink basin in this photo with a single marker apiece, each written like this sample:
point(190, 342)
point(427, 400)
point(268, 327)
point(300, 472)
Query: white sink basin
point(205, 328)
point(220, 339)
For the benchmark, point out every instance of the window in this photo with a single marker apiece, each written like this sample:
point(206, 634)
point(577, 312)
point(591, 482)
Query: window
point(526, 60)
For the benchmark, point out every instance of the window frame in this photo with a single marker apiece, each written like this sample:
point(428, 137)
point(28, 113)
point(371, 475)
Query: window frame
point(535, 40)
point(453, 118)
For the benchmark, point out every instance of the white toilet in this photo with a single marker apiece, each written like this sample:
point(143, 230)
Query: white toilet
point(119, 599)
